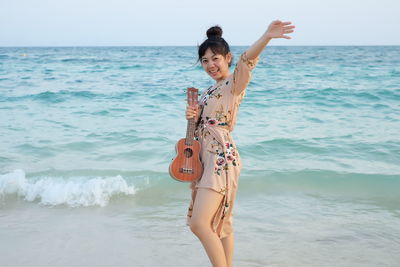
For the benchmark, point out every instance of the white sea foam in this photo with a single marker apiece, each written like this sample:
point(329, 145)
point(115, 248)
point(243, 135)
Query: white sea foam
point(74, 192)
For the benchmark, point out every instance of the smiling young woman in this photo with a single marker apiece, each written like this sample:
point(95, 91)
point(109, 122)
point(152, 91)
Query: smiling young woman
point(210, 215)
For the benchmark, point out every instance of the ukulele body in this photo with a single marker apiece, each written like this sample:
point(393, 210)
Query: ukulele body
point(186, 166)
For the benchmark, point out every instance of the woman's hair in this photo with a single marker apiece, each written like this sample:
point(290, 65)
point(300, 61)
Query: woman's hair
point(215, 42)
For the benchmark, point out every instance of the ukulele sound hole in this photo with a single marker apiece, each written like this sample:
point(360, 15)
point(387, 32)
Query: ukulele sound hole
point(188, 152)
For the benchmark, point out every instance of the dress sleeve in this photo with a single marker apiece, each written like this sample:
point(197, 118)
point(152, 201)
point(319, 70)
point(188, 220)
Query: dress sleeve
point(242, 73)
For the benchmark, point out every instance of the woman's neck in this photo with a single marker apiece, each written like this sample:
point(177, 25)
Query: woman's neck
point(222, 78)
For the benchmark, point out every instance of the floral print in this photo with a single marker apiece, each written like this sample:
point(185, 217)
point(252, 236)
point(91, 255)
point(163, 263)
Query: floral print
point(210, 93)
point(211, 121)
point(223, 157)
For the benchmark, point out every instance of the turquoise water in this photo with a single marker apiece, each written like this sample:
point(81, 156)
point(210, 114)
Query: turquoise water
point(86, 131)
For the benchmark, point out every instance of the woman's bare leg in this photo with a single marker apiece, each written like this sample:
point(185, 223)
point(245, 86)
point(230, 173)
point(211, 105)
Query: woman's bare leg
point(228, 244)
point(204, 208)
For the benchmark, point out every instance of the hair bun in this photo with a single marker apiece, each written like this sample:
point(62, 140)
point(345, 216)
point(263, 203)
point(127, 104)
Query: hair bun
point(214, 32)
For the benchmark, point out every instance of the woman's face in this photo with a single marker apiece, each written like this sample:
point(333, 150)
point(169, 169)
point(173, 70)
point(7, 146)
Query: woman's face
point(216, 65)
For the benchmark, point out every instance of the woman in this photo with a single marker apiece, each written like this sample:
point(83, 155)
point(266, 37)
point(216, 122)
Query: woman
point(213, 195)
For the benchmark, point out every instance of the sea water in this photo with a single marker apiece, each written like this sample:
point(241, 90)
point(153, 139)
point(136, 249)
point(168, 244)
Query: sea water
point(87, 135)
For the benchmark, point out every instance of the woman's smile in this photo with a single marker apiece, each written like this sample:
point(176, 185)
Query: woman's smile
point(214, 72)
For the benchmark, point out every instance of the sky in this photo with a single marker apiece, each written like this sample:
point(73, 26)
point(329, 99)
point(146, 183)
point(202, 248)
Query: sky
point(174, 22)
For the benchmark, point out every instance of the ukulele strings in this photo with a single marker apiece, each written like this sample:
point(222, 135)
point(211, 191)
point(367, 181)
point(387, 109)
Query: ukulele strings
point(192, 102)
point(187, 139)
point(190, 132)
point(186, 152)
point(193, 126)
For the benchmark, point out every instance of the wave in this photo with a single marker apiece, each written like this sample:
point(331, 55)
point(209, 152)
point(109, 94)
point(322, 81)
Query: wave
point(127, 67)
point(323, 181)
point(63, 95)
point(52, 97)
point(76, 188)
point(82, 60)
point(74, 192)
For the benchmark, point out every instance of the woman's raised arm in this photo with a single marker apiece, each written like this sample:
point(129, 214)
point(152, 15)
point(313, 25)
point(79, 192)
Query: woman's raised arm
point(277, 29)
point(248, 60)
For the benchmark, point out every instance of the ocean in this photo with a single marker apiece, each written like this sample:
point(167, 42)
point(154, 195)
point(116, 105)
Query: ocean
point(87, 135)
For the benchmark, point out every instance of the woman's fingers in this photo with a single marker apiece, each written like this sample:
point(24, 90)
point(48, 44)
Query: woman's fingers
point(191, 112)
point(289, 27)
point(288, 31)
point(191, 109)
point(190, 116)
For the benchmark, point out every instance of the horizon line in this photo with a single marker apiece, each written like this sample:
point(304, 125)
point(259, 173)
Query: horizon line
point(29, 46)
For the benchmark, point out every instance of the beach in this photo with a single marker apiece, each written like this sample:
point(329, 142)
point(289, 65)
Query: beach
point(87, 134)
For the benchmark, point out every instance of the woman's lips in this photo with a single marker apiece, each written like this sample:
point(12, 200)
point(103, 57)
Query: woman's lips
point(213, 73)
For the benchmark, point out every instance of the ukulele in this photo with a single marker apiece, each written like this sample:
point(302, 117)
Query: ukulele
point(186, 166)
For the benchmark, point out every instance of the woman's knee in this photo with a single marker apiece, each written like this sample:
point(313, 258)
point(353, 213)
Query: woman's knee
point(204, 208)
point(200, 227)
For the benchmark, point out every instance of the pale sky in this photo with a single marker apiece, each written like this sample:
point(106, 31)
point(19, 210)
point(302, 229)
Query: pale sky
point(162, 22)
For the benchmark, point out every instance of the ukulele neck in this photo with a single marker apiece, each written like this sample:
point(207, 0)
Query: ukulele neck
point(192, 95)
point(190, 132)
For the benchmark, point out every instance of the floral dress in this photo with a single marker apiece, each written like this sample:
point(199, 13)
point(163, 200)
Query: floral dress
point(218, 107)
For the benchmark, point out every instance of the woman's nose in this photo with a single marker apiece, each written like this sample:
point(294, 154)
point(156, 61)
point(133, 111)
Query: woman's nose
point(210, 64)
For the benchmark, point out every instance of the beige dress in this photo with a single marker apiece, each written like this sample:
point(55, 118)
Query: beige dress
point(219, 105)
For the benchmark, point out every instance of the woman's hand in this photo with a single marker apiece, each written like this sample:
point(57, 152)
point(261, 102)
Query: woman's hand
point(278, 29)
point(192, 112)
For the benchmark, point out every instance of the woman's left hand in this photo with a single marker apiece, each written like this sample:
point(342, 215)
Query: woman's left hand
point(278, 29)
